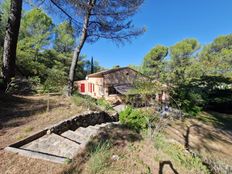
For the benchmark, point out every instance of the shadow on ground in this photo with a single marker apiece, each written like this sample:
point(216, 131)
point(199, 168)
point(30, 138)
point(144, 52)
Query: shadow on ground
point(117, 135)
point(218, 120)
point(168, 163)
point(13, 107)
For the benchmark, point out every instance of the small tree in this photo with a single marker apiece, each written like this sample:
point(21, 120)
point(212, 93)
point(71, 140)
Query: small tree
point(92, 66)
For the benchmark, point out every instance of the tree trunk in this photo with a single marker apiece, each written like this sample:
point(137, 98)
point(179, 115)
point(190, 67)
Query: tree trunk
point(77, 51)
point(10, 42)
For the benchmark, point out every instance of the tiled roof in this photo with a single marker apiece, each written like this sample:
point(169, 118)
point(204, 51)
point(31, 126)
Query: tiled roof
point(101, 73)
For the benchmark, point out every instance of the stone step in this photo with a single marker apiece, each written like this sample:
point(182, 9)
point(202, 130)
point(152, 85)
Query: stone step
point(55, 145)
point(93, 127)
point(102, 125)
point(74, 136)
point(87, 132)
point(107, 125)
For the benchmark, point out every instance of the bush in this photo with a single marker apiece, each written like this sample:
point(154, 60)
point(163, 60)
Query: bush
point(85, 101)
point(104, 104)
point(207, 92)
point(189, 98)
point(134, 118)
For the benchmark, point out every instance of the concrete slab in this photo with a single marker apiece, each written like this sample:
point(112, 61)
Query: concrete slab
point(55, 145)
point(74, 136)
point(38, 155)
point(86, 132)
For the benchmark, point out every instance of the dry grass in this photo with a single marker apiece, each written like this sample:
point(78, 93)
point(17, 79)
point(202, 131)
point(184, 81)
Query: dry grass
point(22, 116)
point(143, 156)
point(134, 155)
point(206, 137)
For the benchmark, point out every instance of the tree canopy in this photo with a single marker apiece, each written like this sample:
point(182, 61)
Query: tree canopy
point(153, 63)
point(199, 78)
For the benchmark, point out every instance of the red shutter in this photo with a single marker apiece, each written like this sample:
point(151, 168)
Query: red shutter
point(82, 87)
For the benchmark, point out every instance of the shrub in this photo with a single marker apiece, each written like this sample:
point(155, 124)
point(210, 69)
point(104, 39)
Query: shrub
point(207, 92)
point(104, 104)
point(189, 98)
point(85, 101)
point(134, 118)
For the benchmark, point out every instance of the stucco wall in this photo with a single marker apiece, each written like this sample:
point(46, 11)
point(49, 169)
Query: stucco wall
point(97, 88)
point(100, 85)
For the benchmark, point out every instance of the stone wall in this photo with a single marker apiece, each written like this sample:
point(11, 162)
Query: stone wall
point(82, 120)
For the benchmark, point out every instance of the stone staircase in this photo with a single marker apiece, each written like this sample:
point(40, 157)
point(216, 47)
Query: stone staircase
point(61, 147)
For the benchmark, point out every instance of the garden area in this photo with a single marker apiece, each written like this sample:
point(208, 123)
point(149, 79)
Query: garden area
point(169, 110)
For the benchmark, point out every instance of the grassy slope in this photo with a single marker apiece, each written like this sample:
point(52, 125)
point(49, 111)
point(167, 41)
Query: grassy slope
point(21, 116)
point(209, 136)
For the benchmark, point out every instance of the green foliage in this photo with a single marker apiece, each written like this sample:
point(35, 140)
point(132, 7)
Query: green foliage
point(143, 93)
point(182, 57)
point(55, 81)
point(134, 118)
point(104, 104)
point(99, 158)
point(35, 57)
point(184, 49)
point(178, 154)
point(34, 36)
point(91, 65)
point(198, 80)
point(189, 99)
point(4, 13)
point(85, 101)
point(207, 92)
point(64, 40)
point(216, 58)
point(35, 30)
point(153, 64)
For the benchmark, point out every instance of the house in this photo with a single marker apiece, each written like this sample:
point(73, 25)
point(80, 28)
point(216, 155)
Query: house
point(109, 84)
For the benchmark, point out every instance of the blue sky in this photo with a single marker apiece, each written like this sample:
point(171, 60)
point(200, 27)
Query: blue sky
point(167, 22)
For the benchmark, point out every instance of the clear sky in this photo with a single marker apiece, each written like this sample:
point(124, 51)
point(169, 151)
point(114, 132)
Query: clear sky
point(167, 22)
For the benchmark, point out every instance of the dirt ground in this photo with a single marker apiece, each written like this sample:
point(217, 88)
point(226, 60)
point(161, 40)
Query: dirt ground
point(21, 116)
point(209, 136)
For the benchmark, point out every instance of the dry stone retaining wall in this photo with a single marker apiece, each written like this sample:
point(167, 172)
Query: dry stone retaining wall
point(60, 142)
point(82, 120)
